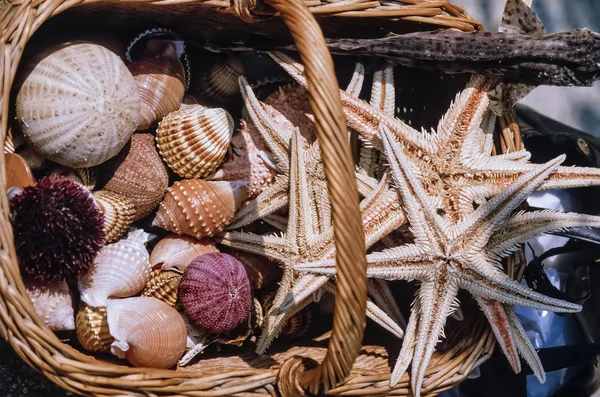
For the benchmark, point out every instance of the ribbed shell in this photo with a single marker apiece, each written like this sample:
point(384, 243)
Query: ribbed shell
point(175, 251)
point(215, 293)
point(91, 326)
point(193, 141)
point(139, 174)
point(87, 177)
point(14, 138)
point(79, 105)
point(148, 332)
point(161, 83)
point(199, 208)
point(221, 81)
point(163, 285)
point(119, 213)
point(34, 159)
point(120, 270)
point(54, 305)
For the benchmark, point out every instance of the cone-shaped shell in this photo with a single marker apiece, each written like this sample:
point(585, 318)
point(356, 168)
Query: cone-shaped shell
point(221, 81)
point(199, 208)
point(163, 285)
point(54, 305)
point(161, 83)
point(119, 213)
point(215, 293)
point(91, 326)
point(79, 105)
point(193, 141)
point(175, 251)
point(87, 177)
point(120, 270)
point(148, 332)
point(138, 174)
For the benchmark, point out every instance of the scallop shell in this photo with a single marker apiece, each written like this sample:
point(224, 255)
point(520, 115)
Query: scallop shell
point(175, 251)
point(148, 332)
point(163, 285)
point(193, 141)
point(215, 293)
point(138, 174)
point(221, 81)
point(87, 177)
point(199, 208)
point(161, 83)
point(261, 271)
point(91, 325)
point(79, 105)
point(120, 270)
point(118, 211)
point(54, 305)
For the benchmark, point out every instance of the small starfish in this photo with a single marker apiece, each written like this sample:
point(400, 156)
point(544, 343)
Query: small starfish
point(446, 257)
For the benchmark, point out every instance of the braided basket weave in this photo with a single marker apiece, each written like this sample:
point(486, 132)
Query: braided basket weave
point(344, 367)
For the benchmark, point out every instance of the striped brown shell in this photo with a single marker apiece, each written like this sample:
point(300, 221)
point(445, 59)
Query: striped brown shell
point(87, 177)
point(220, 82)
point(119, 213)
point(91, 326)
point(163, 285)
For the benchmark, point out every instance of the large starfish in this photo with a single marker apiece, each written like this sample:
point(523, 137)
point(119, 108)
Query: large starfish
point(446, 257)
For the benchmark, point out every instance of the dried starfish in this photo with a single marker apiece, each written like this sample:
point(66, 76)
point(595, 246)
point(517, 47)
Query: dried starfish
point(446, 257)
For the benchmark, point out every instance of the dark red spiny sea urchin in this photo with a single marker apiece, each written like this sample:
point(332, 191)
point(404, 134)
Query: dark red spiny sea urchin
point(58, 229)
point(215, 292)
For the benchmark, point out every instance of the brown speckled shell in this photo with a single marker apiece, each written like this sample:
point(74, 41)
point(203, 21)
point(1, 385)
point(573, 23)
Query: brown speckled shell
point(193, 141)
point(199, 208)
point(137, 173)
point(91, 326)
point(163, 285)
point(221, 81)
point(178, 251)
point(87, 177)
point(119, 213)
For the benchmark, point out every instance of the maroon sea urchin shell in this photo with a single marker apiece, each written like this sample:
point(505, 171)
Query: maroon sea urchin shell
point(215, 292)
point(58, 229)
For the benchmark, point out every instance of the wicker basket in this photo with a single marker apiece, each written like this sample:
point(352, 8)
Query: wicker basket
point(346, 367)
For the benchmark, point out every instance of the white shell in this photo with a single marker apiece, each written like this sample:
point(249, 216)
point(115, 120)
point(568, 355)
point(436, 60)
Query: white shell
point(54, 305)
point(147, 332)
point(79, 106)
point(120, 270)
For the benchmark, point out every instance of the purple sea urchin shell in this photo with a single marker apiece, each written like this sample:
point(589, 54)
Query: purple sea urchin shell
point(58, 229)
point(215, 292)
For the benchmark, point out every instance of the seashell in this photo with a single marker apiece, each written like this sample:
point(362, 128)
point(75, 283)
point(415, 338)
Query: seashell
point(91, 326)
point(175, 251)
point(188, 100)
point(54, 305)
point(193, 141)
point(35, 160)
point(120, 270)
point(300, 325)
point(199, 208)
point(79, 105)
point(87, 177)
point(161, 83)
point(248, 163)
point(220, 82)
point(148, 332)
point(261, 271)
point(18, 173)
point(163, 285)
point(118, 211)
point(14, 138)
point(215, 293)
point(138, 174)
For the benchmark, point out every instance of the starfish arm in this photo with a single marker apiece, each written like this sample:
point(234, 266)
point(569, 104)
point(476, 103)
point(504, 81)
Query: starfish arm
point(383, 91)
point(525, 226)
point(301, 289)
point(367, 184)
point(277, 221)
point(272, 247)
point(525, 347)
point(375, 313)
point(274, 135)
point(381, 293)
point(501, 325)
point(572, 177)
point(356, 82)
point(519, 156)
point(269, 201)
point(483, 279)
point(408, 345)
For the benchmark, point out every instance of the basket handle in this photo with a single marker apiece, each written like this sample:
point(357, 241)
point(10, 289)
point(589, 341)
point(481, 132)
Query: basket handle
point(350, 304)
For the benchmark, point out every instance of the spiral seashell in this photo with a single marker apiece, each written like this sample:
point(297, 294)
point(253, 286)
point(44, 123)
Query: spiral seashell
point(199, 208)
point(118, 211)
point(261, 271)
point(148, 332)
point(193, 141)
point(138, 174)
point(54, 305)
point(175, 251)
point(120, 270)
point(161, 83)
point(163, 285)
point(79, 105)
point(87, 177)
point(220, 82)
point(91, 326)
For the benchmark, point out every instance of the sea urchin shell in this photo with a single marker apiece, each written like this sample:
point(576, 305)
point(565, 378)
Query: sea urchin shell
point(58, 229)
point(215, 293)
